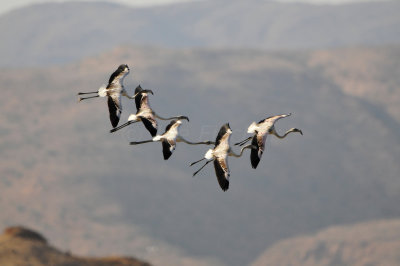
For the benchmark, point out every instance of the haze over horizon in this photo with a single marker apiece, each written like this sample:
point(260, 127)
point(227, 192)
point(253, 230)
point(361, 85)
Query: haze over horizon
point(9, 5)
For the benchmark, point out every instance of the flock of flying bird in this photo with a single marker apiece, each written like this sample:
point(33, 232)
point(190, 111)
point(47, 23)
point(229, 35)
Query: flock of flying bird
point(218, 155)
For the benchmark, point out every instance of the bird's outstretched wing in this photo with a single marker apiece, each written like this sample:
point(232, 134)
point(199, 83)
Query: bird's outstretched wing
point(150, 124)
point(272, 119)
point(255, 154)
point(222, 173)
point(168, 148)
point(168, 127)
point(114, 108)
point(118, 75)
point(138, 98)
point(222, 131)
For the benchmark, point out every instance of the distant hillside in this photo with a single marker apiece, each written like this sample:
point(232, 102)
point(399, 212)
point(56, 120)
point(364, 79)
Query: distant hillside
point(94, 194)
point(61, 32)
point(371, 243)
point(20, 246)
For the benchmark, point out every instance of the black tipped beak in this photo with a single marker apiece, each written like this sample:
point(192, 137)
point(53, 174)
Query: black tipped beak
point(298, 130)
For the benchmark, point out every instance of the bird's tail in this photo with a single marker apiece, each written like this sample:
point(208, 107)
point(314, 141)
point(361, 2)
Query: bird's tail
point(103, 91)
point(208, 154)
point(157, 138)
point(252, 128)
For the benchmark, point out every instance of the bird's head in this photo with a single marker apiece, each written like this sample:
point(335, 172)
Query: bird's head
point(175, 122)
point(147, 91)
point(124, 68)
point(296, 130)
point(183, 117)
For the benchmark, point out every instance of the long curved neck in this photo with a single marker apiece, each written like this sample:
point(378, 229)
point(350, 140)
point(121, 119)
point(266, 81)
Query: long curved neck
point(284, 135)
point(170, 118)
point(181, 139)
point(231, 153)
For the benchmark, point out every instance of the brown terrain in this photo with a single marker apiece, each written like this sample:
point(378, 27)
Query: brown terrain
point(369, 243)
point(20, 246)
point(93, 194)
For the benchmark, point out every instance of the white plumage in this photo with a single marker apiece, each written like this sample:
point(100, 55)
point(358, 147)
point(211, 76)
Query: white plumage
point(170, 138)
point(261, 130)
point(219, 155)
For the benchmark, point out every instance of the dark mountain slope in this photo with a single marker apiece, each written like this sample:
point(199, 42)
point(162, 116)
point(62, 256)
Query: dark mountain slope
point(20, 246)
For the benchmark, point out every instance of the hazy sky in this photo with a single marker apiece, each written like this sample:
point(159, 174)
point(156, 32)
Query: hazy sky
point(7, 5)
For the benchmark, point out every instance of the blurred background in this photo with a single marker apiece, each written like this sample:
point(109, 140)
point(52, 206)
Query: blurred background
point(329, 197)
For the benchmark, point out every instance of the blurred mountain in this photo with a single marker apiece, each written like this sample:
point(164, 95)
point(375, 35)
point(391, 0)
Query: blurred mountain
point(370, 243)
point(61, 32)
point(22, 246)
point(93, 194)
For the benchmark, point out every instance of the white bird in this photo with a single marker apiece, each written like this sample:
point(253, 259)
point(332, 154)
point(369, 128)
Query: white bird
point(261, 130)
point(113, 90)
point(145, 113)
point(220, 155)
point(170, 138)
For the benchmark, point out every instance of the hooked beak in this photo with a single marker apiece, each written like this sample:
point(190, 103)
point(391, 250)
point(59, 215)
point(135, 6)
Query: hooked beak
point(148, 91)
point(184, 117)
point(298, 130)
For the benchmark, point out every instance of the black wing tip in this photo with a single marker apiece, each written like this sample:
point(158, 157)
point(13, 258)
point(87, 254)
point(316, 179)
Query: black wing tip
point(254, 165)
point(254, 159)
point(149, 126)
point(114, 112)
point(114, 123)
point(220, 173)
point(225, 186)
point(166, 152)
point(166, 149)
point(167, 155)
point(114, 120)
point(153, 133)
